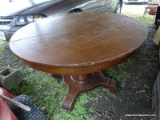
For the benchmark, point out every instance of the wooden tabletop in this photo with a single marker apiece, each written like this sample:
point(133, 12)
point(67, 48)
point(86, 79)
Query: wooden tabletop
point(78, 43)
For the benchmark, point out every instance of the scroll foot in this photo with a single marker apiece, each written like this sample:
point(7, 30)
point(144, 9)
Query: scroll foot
point(112, 85)
point(69, 100)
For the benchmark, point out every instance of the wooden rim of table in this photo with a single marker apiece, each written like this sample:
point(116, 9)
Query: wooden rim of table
point(116, 36)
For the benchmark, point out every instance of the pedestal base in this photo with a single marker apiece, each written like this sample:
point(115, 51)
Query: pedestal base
point(85, 82)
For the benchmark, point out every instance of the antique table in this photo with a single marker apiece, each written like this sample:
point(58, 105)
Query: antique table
point(78, 46)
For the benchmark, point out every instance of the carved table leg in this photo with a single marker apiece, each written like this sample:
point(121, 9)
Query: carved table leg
point(82, 83)
point(112, 86)
point(69, 99)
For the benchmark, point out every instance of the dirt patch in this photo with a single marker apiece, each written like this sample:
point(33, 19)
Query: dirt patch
point(135, 91)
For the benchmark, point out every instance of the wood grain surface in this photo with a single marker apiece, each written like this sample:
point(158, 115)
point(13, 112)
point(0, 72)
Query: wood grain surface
point(78, 43)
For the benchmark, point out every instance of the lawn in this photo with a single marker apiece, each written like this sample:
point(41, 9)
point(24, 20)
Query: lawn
point(137, 12)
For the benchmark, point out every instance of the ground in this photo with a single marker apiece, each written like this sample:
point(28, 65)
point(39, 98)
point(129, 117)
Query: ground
point(134, 96)
point(136, 78)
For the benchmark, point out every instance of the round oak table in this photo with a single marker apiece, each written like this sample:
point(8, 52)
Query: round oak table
point(78, 46)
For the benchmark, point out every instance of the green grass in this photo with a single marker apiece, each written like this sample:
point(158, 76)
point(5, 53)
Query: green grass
point(2, 48)
point(49, 94)
point(137, 12)
point(148, 19)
